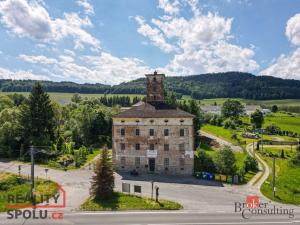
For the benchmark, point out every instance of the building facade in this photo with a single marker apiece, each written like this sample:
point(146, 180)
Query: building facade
point(152, 136)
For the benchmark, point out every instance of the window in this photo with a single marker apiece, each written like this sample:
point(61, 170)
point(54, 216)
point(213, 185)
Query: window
point(122, 132)
point(151, 146)
point(137, 161)
point(181, 163)
point(123, 161)
point(166, 162)
point(166, 132)
point(181, 147)
point(123, 146)
point(137, 132)
point(166, 147)
point(151, 132)
point(137, 146)
point(181, 132)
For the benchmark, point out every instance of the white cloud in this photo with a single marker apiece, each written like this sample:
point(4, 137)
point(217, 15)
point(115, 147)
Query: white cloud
point(20, 75)
point(88, 8)
point(104, 68)
point(30, 19)
point(293, 29)
point(288, 66)
point(201, 43)
point(169, 7)
point(37, 59)
point(155, 36)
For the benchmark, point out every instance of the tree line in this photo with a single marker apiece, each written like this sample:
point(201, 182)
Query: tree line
point(216, 85)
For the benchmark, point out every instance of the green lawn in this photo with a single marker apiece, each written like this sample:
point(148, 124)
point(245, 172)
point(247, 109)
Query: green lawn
point(219, 132)
point(64, 98)
point(287, 182)
point(284, 121)
point(268, 103)
point(121, 201)
point(9, 186)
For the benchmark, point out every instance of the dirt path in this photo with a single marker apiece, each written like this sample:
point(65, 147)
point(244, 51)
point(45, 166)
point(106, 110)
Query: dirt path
point(222, 141)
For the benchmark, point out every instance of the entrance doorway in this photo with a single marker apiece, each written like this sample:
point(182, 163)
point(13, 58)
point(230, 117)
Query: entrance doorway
point(151, 164)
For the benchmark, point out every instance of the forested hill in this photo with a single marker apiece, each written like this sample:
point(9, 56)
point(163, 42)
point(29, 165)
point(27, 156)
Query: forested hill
point(217, 85)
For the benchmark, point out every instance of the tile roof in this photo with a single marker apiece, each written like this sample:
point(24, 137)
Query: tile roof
point(153, 110)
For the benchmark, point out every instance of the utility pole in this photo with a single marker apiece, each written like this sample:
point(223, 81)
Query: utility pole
point(274, 187)
point(32, 171)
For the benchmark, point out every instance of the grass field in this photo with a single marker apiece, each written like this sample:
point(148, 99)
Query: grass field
point(9, 186)
point(64, 98)
point(281, 102)
point(287, 181)
point(121, 201)
point(283, 120)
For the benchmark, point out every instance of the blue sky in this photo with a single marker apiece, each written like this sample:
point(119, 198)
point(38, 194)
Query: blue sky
point(111, 42)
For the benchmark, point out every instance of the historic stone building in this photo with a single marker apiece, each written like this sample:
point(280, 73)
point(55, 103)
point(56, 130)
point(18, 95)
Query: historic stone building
point(152, 136)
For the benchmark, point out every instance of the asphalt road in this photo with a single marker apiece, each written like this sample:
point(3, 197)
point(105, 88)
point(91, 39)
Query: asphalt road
point(156, 218)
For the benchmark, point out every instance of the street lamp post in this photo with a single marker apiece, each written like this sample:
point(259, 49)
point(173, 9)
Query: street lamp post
point(46, 171)
point(32, 170)
point(274, 181)
point(19, 169)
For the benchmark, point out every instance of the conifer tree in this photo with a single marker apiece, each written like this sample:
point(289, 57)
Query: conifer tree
point(103, 180)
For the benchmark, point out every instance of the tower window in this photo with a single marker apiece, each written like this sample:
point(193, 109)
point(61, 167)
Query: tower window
point(151, 146)
point(166, 132)
point(166, 147)
point(137, 132)
point(122, 146)
point(181, 132)
point(122, 132)
point(137, 161)
point(151, 132)
point(137, 146)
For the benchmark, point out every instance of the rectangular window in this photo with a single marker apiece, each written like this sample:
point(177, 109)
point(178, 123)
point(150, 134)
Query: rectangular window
point(181, 147)
point(151, 146)
point(123, 146)
point(122, 132)
point(151, 132)
point(137, 146)
point(166, 162)
point(137, 132)
point(181, 132)
point(166, 147)
point(123, 161)
point(181, 163)
point(137, 161)
point(166, 132)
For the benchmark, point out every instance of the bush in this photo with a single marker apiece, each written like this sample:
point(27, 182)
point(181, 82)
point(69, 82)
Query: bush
point(250, 164)
point(67, 159)
point(203, 162)
point(229, 123)
point(225, 161)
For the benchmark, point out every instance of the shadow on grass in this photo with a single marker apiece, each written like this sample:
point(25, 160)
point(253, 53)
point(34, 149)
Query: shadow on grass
point(109, 204)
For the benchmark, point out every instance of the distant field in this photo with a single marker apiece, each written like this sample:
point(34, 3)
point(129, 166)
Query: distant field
point(64, 98)
point(281, 102)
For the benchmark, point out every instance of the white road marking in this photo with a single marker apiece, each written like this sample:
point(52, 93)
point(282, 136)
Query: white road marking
point(226, 223)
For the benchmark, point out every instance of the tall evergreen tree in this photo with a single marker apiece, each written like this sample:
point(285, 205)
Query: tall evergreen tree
point(37, 118)
point(103, 180)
